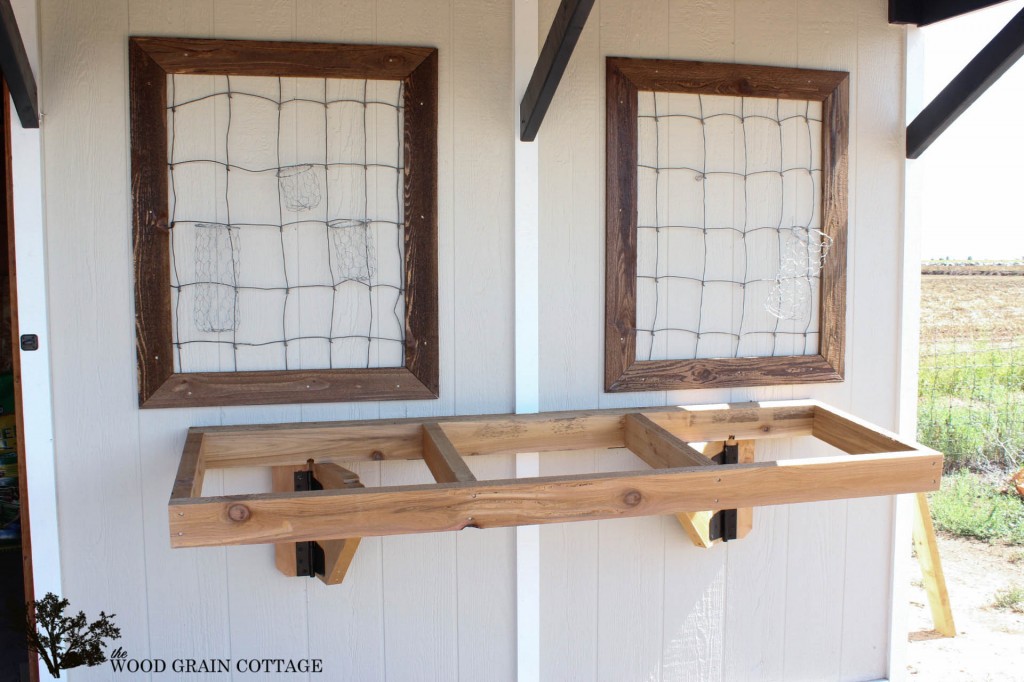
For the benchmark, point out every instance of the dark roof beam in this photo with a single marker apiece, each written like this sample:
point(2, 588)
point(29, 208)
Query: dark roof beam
point(16, 70)
point(924, 12)
point(967, 86)
point(565, 31)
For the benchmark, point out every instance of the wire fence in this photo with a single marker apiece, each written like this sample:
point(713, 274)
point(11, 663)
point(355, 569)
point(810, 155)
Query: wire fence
point(729, 245)
point(971, 397)
point(287, 223)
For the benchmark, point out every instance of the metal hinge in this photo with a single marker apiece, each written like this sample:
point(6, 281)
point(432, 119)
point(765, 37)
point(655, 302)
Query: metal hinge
point(309, 556)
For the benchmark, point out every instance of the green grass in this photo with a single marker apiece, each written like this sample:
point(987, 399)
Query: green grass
point(954, 371)
point(971, 405)
point(971, 408)
point(1012, 598)
point(969, 506)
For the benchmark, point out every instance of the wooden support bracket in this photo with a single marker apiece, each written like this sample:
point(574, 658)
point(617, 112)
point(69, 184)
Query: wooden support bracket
point(337, 554)
point(707, 528)
point(682, 480)
point(661, 450)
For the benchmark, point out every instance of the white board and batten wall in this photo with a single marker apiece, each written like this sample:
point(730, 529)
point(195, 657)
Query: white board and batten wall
point(805, 597)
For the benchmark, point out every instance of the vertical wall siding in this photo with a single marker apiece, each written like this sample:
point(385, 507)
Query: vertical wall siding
point(806, 595)
point(428, 607)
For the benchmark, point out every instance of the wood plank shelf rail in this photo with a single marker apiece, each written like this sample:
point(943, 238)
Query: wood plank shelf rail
point(688, 450)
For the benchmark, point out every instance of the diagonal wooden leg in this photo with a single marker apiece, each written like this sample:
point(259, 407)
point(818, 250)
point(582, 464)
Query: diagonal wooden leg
point(931, 568)
point(338, 554)
point(697, 526)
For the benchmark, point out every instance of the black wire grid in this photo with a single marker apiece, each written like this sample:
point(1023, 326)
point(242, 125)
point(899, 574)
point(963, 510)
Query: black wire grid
point(286, 223)
point(729, 246)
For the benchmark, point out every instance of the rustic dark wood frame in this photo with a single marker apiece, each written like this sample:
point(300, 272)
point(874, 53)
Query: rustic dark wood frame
point(150, 60)
point(625, 77)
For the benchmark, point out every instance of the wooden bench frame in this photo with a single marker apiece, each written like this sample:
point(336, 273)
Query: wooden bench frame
point(681, 481)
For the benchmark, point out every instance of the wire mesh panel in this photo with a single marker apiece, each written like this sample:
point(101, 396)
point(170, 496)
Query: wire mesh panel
point(286, 222)
point(725, 210)
point(730, 246)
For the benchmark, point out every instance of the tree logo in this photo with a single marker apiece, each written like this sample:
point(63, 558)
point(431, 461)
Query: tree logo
point(65, 641)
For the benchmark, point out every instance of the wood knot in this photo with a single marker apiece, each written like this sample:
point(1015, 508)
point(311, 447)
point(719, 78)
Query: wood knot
point(376, 455)
point(239, 513)
point(632, 498)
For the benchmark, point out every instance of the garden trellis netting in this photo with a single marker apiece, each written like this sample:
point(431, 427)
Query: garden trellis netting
point(729, 240)
point(286, 222)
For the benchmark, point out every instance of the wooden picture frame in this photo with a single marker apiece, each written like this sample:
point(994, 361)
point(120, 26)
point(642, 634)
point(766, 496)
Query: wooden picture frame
point(625, 79)
point(150, 61)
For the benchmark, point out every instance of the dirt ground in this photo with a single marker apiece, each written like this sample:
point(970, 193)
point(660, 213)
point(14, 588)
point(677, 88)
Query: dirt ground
point(950, 304)
point(980, 268)
point(989, 646)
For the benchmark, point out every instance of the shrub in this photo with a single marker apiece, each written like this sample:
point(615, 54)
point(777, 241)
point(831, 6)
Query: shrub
point(970, 506)
point(1012, 598)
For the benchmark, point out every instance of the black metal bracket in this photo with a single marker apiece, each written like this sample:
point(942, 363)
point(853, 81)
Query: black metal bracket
point(309, 556)
point(723, 524)
point(16, 70)
point(924, 12)
point(565, 31)
point(979, 75)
